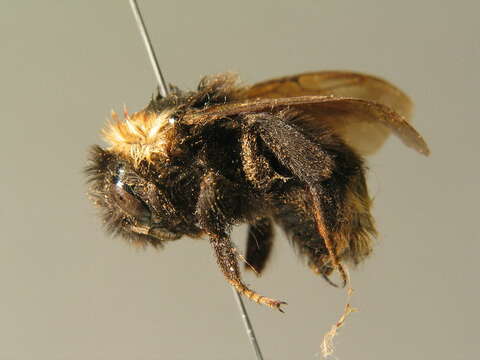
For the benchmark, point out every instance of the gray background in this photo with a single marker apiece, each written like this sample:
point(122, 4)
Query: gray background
point(68, 291)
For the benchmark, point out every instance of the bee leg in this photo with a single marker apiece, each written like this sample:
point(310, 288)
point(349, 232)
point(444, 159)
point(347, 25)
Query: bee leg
point(227, 261)
point(259, 244)
point(302, 231)
point(219, 204)
point(322, 228)
point(311, 164)
point(332, 204)
point(257, 168)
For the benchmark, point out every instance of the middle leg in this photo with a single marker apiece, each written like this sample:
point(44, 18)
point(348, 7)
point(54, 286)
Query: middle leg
point(218, 207)
point(259, 244)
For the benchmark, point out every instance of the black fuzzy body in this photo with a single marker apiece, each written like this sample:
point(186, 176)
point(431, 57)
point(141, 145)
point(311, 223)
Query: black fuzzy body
point(260, 168)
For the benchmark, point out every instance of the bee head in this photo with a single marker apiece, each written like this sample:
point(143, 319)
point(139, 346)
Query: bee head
point(132, 203)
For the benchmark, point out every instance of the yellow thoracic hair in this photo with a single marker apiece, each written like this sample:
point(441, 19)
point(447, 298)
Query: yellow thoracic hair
point(140, 136)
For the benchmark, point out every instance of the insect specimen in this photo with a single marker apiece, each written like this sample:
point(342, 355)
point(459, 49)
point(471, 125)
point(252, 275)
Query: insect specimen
point(287, 151)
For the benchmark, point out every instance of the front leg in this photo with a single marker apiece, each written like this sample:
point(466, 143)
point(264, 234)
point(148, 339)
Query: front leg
point(218, 207)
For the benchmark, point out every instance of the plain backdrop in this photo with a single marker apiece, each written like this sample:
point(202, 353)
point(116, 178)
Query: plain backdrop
point(69, 291)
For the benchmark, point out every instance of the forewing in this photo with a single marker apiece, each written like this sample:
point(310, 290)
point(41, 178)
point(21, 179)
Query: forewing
point(343, 114)
point(332, 83)
point(365, 137)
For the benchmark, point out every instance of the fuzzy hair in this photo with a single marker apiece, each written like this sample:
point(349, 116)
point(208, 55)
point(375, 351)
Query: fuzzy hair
point(148, 134)
point(143, 135)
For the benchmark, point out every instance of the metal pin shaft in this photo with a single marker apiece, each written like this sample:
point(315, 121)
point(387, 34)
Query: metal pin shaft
point(162, 87)
point(248, 325)
point(164, 92)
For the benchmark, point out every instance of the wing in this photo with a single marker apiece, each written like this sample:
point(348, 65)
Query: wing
point(364, 136)
point(343, 113)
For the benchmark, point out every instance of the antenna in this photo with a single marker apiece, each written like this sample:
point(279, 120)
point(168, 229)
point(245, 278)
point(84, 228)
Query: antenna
point(164, 92)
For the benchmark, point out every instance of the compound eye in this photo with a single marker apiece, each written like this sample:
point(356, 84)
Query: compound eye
point(130, 203)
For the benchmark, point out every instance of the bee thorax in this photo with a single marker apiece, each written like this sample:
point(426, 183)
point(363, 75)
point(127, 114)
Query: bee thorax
point(144, 135)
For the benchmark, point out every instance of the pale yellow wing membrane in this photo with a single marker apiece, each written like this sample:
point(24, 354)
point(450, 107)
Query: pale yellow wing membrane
point(364, 136)
point(336, 83)
point(353, 119)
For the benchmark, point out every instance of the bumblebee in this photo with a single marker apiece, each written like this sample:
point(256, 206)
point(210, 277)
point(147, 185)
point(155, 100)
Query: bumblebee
point(287, 151)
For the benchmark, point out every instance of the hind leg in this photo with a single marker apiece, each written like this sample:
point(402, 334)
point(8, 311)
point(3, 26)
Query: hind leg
point(300, 227)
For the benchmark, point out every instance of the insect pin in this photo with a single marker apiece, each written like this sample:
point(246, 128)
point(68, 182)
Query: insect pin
point(288, 151)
